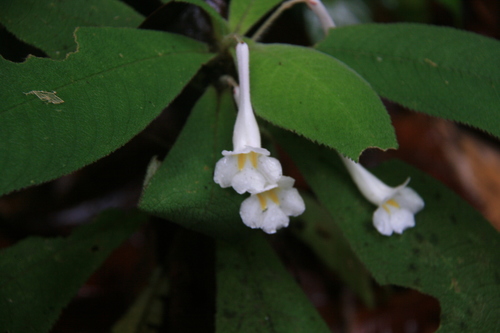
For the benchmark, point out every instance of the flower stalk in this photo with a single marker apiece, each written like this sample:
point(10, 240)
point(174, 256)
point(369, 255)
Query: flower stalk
point(322, 13)
point(315, 5)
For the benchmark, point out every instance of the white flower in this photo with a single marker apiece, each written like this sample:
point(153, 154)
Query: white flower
point(270, 210)
point(248, 168)
point(396, 205)
point(322, 13)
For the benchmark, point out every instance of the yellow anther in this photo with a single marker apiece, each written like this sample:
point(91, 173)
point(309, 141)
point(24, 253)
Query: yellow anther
point(272, 195)
point(253, 158)
point(393, 203)
point(262, 200)
point(242, 158)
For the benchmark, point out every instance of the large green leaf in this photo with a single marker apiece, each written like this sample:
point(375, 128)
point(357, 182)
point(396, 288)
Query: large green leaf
point(183, 189)
point(318, 97)
point(440, 71)
point(39, 276)
point(118, 82)
point(50, 25)
point(243, 14)
point(321, 233)
point(256, 294)
point(451, 254)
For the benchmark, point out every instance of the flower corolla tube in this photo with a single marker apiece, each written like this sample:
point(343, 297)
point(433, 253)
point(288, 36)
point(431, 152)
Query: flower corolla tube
point(270, 210)
point(321, 12)
point(248, 167)
point(397, 206)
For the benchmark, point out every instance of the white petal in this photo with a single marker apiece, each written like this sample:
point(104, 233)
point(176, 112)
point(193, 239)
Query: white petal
point(274, 219)
point(409, 199)
point(246, 131)
point(381, 221)
point(324, 17)
point(246, 150)
point(225, 170)
point(269, 220)
point(372, 188)
point(251, 212)
point(291, 203)
point(396, 221)
point(270, 168)
point(286, 182)
point(274, 216)
point(402, 219)
point(249, 180)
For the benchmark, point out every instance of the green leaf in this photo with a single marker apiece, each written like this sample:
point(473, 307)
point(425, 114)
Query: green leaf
point(317, 96)
point(451, 254)
point(183, 189)
point(50, 25)
point(39, 276)
point(117, 83)
point(256, 294)
point(321, 232)
point(243, 14)
point(440, 71)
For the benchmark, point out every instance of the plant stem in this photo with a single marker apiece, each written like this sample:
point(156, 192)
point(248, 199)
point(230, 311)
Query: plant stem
point(284, 6)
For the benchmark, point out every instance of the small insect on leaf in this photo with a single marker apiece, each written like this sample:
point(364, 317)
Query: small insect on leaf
point(46, 96)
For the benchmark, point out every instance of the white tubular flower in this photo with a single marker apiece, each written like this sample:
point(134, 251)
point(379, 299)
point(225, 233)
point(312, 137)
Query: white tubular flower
point(270, 210)
point(397, 206)
point(322, 13)
point(248, 168)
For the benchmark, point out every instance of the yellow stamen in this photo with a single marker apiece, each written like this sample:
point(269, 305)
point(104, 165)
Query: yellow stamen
point(253, 158)
point(393, 202)
point(384, 206)
point(242, 158)
point(272, 195)
point(262, 200)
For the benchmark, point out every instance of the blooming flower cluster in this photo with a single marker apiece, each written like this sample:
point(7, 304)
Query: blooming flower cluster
point(249, 167)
